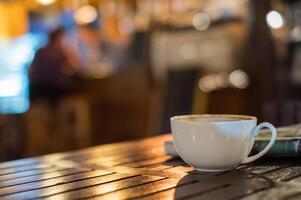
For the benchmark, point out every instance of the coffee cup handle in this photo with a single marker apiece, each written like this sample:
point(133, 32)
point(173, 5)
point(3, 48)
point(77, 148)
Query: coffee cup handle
point(255, 132)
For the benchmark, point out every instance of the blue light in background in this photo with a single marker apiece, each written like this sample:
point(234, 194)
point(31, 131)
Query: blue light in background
point(15, 58)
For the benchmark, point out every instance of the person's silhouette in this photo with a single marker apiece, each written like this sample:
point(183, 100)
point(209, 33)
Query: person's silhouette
point(49, 73)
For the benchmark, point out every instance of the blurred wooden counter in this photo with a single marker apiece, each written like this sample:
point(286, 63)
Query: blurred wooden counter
point(101, 110)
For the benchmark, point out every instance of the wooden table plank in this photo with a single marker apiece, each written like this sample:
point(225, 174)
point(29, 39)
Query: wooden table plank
point(18, 163)
point(278, 192)
point(184, 190)
point(180, 168)
point(141, 190)
point(53, 181)
point(285, 174)
point(295, 196)
point(126, 160)
point(45, 176)
point(73, 186)
point(148, 162)
point(108, 150)
point(109, 188)
point(113, 159)
point(23, 168)
point(28, 173)
point(261, 169)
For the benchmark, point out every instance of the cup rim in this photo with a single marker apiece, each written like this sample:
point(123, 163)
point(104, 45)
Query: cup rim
point(243, 118)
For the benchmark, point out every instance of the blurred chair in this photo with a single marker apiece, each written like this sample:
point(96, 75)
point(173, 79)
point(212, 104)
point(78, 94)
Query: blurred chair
point(74, 119)
point(121, 106)
point(12, 137)
point(179, 94)
point(58, 127)
point(229, 101)
point(282, 112)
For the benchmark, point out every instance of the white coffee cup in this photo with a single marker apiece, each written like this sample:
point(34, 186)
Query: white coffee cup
point(214, 143)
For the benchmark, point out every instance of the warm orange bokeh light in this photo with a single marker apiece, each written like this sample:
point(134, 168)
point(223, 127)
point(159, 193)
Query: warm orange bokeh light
point(13, 19)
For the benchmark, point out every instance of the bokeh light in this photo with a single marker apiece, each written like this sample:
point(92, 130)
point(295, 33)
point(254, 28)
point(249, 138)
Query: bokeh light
point(274, 19)
point(10, 87)
point(46, 2)
point(85, 15)
point(207, 83)
point(239, 79)
point(222, 80)
point(201, 21)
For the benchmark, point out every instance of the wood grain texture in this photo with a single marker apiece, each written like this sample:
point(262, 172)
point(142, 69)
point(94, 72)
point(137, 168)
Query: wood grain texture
point(23, 168)
point(57, 189)
point(52, 182)
point(45, 176)
point(141, 170)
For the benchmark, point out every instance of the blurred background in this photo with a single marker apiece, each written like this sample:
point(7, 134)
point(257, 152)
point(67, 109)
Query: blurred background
point(78, 73)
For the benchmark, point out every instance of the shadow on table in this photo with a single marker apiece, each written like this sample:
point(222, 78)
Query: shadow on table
point(228, 185)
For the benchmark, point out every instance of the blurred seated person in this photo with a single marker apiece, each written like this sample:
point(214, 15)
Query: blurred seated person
point(52, 69)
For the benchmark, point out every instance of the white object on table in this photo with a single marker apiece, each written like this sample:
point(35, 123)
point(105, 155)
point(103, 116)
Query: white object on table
point(170, 149)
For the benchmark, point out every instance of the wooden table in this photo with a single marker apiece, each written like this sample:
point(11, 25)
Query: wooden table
point(141, 170)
